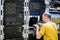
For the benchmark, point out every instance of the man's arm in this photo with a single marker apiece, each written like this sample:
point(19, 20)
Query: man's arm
point(39, 33)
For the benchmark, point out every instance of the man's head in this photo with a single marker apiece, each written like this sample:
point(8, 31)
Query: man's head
point(46, 17)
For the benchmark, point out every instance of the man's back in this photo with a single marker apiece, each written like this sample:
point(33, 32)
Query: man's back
point(49, 31)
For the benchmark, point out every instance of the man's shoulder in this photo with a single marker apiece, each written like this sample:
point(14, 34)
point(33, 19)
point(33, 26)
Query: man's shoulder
point(53, 23)
point(48, 23)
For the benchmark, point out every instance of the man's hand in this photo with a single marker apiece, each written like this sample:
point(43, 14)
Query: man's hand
point(37, 26)
point(38, 34)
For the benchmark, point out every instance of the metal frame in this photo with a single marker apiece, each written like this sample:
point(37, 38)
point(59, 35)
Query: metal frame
point(47, 2)
point(26, 19)
point(1, 20)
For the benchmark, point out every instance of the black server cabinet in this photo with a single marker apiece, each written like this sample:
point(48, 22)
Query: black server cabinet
point(13, 19)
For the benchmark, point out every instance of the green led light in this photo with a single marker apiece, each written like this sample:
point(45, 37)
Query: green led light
point(20, 15)
point(20, 29)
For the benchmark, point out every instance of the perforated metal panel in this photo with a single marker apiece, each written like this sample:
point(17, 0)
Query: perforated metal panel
point(37, 6)
point(13, 13)
point(10, 8)
point(13, 19)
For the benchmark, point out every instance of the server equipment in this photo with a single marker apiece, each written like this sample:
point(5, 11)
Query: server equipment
point(13, 19)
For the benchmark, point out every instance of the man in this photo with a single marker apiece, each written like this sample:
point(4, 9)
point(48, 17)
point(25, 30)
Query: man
point(49, 30)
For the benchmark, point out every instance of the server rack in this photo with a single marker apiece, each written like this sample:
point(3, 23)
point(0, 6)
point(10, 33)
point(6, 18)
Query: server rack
point(13, 19)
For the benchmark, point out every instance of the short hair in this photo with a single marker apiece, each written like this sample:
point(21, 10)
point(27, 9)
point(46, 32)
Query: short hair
point(48, 15)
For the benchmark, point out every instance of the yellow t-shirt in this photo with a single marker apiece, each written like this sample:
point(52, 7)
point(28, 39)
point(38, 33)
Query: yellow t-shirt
point(49, 31)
